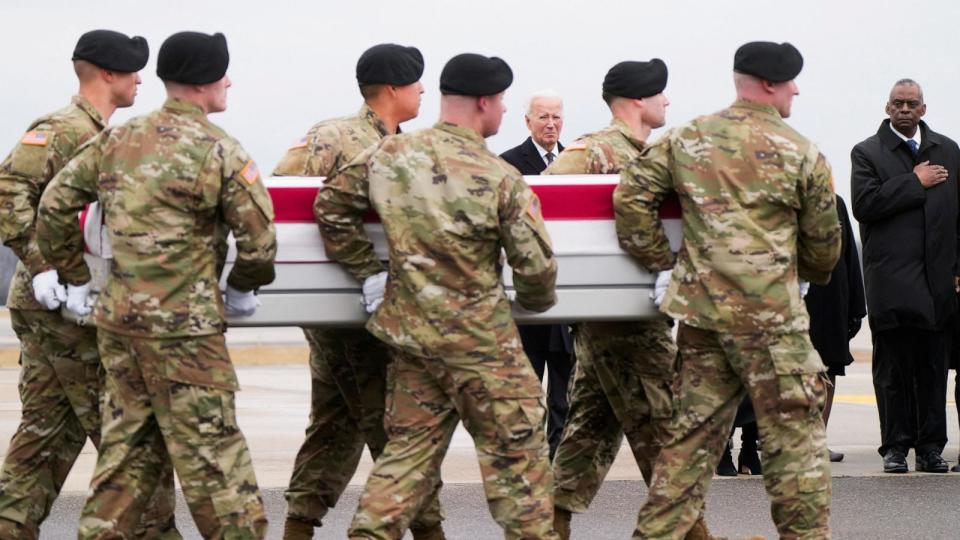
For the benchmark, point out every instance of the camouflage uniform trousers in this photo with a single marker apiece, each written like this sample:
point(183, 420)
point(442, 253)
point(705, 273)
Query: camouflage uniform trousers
point(60, 382)
point(151, 420)
point(780, 374)
point(500, 402)
point(348, 371)
point(622, 386)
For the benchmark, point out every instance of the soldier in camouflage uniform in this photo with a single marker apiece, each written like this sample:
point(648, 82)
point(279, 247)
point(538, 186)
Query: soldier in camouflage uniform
point(758, 216)
point(169, 183)
point(449, 206)
point(348, 365)
point(622, 382)
point(61, 378)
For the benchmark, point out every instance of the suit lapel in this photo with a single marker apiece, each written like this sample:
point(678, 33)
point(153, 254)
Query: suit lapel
point(532, 156)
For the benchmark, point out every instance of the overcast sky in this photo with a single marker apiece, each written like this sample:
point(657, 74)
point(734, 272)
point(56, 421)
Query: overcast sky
point(292, 63)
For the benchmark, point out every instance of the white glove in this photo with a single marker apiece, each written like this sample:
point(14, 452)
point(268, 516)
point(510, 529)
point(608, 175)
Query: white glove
point(804, 288)
point(373, 288)
point(78, 299)
point(47, 289)
point(241, 304)
point(660, 286)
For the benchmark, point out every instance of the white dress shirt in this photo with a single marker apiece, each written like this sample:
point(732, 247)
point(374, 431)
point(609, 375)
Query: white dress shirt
point(556, 148)
point(916, 136)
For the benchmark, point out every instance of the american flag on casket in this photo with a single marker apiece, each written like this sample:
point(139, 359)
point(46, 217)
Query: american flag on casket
point(596, 280)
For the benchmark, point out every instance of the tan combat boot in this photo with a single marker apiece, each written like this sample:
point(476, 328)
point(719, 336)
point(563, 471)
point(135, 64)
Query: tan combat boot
point(296, 529)
point(699, 531)
point(561, 522)
point(434, 532)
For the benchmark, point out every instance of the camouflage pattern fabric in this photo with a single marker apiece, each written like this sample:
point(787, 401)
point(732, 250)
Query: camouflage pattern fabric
point(47, 146)
point(623, 387)
point(60, 381)
point(781, 374)
point(500, 403)
point(449, 207)
point(60, 377)
point(170, 182)
point(347, 366)
point(348, 386)
point(331, 144)
point(622, 382)
point(158, 411)
point(758, 215)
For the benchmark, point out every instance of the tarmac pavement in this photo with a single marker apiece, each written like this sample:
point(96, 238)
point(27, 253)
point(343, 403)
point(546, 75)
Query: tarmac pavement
point(273, 408)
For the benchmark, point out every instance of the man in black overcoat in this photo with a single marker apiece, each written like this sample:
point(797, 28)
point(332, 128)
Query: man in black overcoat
point(549, 347)
point(904, 186)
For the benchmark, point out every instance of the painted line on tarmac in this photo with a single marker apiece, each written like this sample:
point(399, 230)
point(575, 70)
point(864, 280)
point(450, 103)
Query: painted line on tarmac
point(865, 399)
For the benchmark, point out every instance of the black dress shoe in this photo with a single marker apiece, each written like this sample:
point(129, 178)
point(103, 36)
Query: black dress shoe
point(931, 461)
point(955, 468)
point(895, 461)
point(835, 457)
point(725, 467)
point(748, 462)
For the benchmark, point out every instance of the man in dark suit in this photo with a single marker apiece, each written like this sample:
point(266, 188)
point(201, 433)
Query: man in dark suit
point(904, 185)
point(547, 346)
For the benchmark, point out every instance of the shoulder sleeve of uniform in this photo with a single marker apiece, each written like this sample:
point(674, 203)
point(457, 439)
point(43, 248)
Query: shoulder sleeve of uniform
point(248, 211)
point(819, 242)
point(572, 160)
point(58, 234)
point(339, 208)
point(644, 183)
point(527, 244)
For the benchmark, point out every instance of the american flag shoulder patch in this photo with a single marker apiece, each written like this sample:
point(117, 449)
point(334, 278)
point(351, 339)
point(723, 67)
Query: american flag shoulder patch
point(299, 143)
point(534, 208)
point(250, 173)
point(35, 138)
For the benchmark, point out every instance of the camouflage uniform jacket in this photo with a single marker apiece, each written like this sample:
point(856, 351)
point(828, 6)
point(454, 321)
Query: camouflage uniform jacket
point(331, 144)
point(47, 146)
point(604, 152)
point(758, 214)
point(170, 183)
point(449, 207)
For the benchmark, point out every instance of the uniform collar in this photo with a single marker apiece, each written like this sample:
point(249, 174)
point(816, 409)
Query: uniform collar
point(459, 131)
point(84, 105)
point(374, 119)
point(178, 105)
point(756, 107)
point(624, 130)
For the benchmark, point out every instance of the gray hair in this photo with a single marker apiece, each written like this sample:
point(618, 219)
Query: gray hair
point(908, 82)
point(546, 93)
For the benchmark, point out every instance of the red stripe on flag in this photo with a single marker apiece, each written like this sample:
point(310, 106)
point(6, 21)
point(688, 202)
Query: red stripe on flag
point(558, 202)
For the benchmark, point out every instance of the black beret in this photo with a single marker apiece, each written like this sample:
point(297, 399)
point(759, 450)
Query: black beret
point(774, 62)
point(389, 63)
point(112, 50)
point(193, 58)
point(471, 74)
point(636, 80)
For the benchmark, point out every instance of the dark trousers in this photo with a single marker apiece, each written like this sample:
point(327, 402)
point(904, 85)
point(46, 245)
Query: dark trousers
point(559, 366)
point(910, 382)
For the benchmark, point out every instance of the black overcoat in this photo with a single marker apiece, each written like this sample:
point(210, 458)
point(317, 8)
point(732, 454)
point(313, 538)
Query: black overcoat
point(537, 337)
point(909, 233)
point(837, 308)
